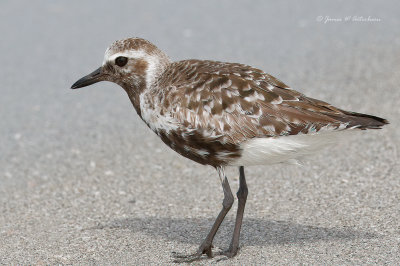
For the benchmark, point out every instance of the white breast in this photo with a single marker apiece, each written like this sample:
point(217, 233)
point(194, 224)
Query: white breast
point(151, 114)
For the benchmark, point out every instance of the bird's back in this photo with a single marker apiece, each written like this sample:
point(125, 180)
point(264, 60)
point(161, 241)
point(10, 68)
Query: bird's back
point(212, 108)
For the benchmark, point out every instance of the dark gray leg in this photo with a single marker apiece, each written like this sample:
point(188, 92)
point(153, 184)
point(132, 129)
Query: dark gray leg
point(242, 197)
point(206, 245)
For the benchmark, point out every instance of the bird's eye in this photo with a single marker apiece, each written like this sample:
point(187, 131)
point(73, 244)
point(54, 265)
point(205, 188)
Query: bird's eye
point(121, 61)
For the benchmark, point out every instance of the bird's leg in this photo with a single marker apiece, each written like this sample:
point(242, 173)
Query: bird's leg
point(242, 197)
point(206, 245)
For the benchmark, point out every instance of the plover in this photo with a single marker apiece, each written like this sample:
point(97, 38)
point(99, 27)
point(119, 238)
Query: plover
point(222, 114)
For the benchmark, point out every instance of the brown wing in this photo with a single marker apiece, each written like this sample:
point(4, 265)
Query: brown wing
point(238, 102)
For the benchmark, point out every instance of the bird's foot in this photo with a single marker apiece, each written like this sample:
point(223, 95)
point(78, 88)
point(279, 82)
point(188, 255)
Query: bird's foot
point(227, 254)
point(203, 249)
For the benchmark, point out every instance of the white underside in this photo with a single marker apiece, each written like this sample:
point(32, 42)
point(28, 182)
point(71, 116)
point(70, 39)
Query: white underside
point(285, 149)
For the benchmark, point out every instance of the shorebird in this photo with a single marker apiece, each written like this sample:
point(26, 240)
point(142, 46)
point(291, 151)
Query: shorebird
point(222, 114)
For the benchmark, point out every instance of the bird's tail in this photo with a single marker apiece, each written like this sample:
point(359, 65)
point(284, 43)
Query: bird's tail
point(362, 121)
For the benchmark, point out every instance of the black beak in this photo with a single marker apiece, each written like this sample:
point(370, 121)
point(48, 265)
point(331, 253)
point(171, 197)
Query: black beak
point(90, 79)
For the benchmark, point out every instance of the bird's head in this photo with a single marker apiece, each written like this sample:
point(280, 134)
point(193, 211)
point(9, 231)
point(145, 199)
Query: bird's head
point(132, 63)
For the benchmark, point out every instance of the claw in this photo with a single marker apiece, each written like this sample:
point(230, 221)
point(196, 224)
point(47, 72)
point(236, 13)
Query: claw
point(227, 254)
point(180, 258)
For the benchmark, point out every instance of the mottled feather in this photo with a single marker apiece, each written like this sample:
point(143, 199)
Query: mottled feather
point(207, 110)
point(238, 102)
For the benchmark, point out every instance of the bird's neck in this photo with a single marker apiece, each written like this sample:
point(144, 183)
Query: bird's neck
point(133, 94)
point(144, 85)
point(155, 65)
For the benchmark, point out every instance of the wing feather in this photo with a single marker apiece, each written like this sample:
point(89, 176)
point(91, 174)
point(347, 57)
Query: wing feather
point(235, 102)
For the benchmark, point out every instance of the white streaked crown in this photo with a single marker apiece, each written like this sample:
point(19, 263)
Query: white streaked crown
point(138, 49)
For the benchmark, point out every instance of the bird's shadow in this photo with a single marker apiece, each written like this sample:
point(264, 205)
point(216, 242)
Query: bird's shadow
point(255, 231)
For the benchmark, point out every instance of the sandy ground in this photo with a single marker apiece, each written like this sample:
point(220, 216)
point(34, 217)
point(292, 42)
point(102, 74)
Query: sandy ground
point(84, 181)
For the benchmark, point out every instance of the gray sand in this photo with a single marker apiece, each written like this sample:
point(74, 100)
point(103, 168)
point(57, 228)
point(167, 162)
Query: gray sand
point(84, 181)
